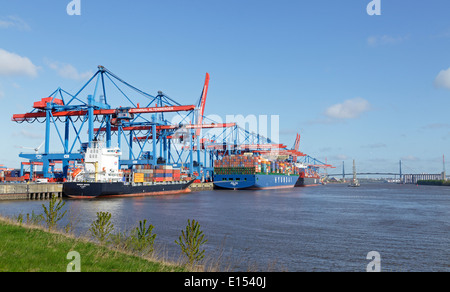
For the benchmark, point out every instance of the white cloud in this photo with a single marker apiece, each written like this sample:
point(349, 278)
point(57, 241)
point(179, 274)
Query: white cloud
point(349, 109)
point(13, 22)
point(374, 146)
point(338, 157)
point(12, 64)
point(436, 126)
point(410, 158)
point(68, 71)
point(385, 40)
point(443, 79)
point(29, 134)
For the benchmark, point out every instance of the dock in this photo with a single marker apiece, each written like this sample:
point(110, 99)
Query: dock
point(31, 191)
point(45, 191)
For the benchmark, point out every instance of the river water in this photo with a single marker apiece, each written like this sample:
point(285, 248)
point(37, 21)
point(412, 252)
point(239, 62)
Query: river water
point(324, 228)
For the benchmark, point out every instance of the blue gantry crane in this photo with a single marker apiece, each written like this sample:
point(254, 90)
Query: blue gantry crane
point(84, 110)
point(142, 125)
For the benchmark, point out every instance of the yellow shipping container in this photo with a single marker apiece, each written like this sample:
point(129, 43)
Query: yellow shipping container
point(138, 177)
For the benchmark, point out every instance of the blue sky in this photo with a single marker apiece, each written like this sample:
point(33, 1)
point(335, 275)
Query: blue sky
point(371, 88)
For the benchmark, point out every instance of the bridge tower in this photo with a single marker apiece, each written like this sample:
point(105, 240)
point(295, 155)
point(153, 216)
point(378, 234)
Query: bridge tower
point(401, 176)
point(343, 171)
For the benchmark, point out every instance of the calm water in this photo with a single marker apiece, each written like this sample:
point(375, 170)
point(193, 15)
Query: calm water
point(326, 228)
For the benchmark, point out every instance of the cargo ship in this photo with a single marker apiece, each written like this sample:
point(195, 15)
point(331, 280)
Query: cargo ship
point(308, 176)
point(99, 176)
point(253, 172)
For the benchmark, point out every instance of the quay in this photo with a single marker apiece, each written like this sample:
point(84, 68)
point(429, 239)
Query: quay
point(31, 191)
point(44, 191)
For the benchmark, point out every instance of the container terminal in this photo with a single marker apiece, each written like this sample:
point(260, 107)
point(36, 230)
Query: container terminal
point(153, 150)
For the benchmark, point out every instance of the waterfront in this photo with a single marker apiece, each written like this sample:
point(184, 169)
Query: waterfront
point(325, 228)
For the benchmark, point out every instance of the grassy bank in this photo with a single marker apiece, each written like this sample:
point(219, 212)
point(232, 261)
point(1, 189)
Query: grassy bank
point(434, 182)
point(32, 249)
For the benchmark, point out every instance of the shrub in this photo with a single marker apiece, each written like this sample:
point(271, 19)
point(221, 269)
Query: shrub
point(191, 242)
point(52, 214)
point(102, 227)
point(143, 237)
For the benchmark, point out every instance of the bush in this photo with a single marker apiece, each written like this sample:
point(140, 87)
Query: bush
point(102, 227)
point(434, 182)
point(143, 237)
point(191, 241)
point(52, 214)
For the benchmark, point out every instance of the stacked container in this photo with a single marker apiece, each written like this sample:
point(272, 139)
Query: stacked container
point(159, 173)
point(249, 164)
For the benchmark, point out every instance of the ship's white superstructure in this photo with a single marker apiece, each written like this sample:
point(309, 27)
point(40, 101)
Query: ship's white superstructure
point(301, 165)
point(101, 164)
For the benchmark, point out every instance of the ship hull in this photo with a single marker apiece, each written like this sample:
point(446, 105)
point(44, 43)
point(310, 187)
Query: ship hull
point(80, 190)
point(254, 181)
point(307, 182)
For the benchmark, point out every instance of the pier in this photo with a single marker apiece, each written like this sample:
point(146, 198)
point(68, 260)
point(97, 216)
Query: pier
point(32, 191)
point(45, 191)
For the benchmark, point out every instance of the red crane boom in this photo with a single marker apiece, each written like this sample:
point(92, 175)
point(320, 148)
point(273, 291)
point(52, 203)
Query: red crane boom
point(103, 112)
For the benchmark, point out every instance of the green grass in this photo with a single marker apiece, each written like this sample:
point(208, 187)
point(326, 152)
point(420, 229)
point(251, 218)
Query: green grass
point(28, 249)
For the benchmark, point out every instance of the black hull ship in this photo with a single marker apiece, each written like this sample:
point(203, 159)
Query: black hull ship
point(99, 176)
point(92, 190)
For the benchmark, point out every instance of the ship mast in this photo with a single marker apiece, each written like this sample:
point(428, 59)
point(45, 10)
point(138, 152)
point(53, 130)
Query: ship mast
point(444, 175)
point(355, 182)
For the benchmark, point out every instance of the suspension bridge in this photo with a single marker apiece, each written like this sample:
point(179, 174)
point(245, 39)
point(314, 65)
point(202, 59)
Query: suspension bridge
point(405, 178)
point(344, 174)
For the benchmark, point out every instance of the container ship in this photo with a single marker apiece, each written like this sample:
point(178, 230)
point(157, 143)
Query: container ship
point(308, 177)
point(99, 176)
point(253, 172)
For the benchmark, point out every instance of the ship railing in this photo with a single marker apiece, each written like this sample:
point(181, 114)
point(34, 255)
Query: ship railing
point(90, 176)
